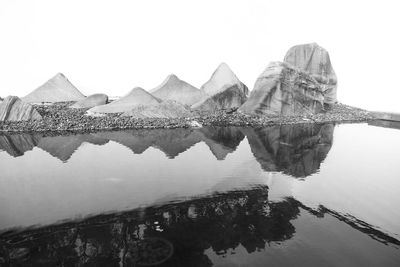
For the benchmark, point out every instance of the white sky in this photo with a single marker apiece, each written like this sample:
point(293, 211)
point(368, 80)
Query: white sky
point(113, 46)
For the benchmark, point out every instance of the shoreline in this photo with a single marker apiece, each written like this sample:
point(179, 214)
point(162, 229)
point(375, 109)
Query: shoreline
point(58, 118)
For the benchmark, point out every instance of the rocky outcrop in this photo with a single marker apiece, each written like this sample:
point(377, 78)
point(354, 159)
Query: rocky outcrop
point(57, 89)
point(13, 109)
point(91, 101)
point(180, 91)
point(315, 60)
point(284, 90)
point(165, 109)
point(136, 97)
point(223, 91)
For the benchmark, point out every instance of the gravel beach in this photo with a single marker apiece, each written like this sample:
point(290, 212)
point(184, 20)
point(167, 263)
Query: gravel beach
point(59, 118)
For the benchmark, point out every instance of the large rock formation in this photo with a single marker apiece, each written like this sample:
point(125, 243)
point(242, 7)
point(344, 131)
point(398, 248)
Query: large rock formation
point(224, 91)
point(57, 89)
point(284, 90)
point(315, 60)
point(91, 101)
point(174, 88)
point(136, 97)
point(165, 109)
point(13, 109)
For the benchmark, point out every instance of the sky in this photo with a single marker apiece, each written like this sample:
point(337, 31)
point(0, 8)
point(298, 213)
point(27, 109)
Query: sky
point(113, 46)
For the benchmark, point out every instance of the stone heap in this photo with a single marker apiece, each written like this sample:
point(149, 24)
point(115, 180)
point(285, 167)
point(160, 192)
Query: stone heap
point(284, 90)
point(223, 91)
point(13, 109)
point(57, 89)
point(136, 97)
point(91, 101)
point(180, 91)
point(165, 109)
point(315, 60)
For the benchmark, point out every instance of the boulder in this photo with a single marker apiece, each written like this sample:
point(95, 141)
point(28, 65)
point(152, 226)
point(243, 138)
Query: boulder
point(284, 90)
point(57, 89)
point(91, 101)
point(165, 109)
point(136, 97)
point(174, 88)
point(315, 60)
point(14, 109)
point(223, 91)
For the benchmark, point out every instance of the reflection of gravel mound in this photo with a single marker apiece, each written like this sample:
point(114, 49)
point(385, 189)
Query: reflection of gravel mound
point(166, 109)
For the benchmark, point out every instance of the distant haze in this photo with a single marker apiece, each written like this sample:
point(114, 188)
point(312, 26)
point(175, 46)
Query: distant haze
point(113, 46)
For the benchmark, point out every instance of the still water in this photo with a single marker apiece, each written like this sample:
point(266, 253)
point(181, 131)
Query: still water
point(304, 195)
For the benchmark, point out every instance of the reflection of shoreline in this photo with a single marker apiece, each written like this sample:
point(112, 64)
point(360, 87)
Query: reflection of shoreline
point(220, 221)
point(296, 150)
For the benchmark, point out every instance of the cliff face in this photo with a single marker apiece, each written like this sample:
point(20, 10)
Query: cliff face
point(315, 60)
point(13, 109)
point(284, 90)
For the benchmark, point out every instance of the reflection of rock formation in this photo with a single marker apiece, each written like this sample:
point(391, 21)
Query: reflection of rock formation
point(17, 144)
point(385, 124)
point(62, 147)
point(177, 234)
point(297, 150)
point(222, 140)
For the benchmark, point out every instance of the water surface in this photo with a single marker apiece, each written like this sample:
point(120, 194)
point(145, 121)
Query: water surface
point(319, 195)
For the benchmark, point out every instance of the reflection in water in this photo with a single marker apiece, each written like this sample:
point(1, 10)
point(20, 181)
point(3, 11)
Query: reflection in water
point(297, 150)
point(172, 234)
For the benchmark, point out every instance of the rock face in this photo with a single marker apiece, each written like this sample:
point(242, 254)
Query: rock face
point(284, 90)
point(13, 109)
point(175, 89)
point(57, 89)
point(315, 60)
point(223, 91)
point(165, 109)
point(91, 101)
point(136, 97)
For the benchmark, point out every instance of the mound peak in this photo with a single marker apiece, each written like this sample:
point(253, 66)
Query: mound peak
point(222, 77)
point(56, 89)
point(173, 88)
point(136, 97)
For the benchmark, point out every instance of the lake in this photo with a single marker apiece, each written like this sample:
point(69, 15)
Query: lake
point(290, 195)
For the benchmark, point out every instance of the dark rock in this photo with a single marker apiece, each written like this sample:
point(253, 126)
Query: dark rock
point(284, 90)
point(223, 91)
point(315, 60)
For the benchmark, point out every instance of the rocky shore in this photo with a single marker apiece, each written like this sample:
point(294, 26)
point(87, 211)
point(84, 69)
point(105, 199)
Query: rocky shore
point(59, 118)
